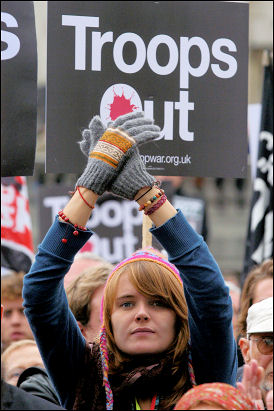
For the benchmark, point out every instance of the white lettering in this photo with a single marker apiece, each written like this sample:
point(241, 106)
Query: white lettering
point(140, 53)
point(152, 54)
point(22, 217)
point(185, 67)
point(184, 106)
point(80, 23)
point(7, 209)
point(111, 213)
point(96, 50)
point(167, 130)
point(56, 204)
point(11, 39)
point(131, 216)
point(226, 58)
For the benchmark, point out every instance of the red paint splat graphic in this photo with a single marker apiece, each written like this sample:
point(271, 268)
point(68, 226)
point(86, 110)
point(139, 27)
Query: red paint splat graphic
point(120, 105)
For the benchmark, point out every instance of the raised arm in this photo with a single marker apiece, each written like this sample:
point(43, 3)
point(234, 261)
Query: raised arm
point(59, 339)
point(209, 304)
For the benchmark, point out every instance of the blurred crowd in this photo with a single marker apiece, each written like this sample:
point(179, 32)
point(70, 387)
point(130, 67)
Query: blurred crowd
point(23, 366)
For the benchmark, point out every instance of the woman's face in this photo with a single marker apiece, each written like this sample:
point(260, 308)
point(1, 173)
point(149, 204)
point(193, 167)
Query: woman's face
point(141, 325)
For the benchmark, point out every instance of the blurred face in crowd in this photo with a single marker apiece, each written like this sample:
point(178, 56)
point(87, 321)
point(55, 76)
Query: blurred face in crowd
point(91, 330)
point(258, 347)
point(263, 290)
point(141, 324)
point(77, 267)
point(15, 326)
point(19, 360)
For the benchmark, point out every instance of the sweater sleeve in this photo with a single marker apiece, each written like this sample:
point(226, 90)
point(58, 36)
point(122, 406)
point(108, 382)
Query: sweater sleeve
point(54, 327)
point(213, 347)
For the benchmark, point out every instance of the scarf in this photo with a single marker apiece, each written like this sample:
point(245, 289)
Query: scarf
point(154, 376)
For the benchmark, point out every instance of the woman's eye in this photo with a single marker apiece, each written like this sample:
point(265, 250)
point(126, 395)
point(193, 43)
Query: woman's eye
point(157, 303)
point(127, 304)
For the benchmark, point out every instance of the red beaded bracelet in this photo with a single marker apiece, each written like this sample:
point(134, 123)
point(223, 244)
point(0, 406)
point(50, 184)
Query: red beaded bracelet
point(154, 198)
point(157, 205)
point(67, 220)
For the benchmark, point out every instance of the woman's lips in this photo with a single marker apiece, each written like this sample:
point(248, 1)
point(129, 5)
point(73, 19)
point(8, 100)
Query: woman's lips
point(142, 331)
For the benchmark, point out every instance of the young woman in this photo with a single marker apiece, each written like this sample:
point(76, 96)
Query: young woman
point(152, 324)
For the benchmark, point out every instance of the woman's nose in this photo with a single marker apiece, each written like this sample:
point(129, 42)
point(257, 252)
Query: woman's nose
point(142, 313)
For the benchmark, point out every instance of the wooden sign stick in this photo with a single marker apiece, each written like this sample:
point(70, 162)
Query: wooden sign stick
point(146, 234)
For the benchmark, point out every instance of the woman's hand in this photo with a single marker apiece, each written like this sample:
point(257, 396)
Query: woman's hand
point(130, 174)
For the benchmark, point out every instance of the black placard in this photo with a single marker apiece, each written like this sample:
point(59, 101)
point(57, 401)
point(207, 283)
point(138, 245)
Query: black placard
point(18, 88)
point(184, 63)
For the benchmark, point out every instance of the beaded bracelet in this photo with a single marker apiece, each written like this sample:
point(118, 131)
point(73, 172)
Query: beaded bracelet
point(157, 205)
point(139, 198)
point(67, 220)
point(156, 184)
point(154, 198)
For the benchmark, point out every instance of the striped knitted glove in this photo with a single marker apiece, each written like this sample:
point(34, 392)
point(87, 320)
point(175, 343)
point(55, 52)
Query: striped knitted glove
point(129, 175)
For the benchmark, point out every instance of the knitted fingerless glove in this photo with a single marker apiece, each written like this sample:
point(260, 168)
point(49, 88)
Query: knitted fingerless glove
point(105, 160)
point(130, 174)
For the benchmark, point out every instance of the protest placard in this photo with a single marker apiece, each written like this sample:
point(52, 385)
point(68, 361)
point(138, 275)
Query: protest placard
point(184, 63)
point(18, 88)
point(116, 222)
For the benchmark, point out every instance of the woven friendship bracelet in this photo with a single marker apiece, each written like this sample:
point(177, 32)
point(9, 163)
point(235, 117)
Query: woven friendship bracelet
point(112, 146)
point(157, 205)
point(154, 198)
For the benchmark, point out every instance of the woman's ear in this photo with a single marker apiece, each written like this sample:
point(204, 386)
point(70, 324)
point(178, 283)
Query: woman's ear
point(82, 329)
point(244, 344)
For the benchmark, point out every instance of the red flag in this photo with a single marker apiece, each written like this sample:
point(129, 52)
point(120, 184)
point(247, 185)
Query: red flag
point(16, 234)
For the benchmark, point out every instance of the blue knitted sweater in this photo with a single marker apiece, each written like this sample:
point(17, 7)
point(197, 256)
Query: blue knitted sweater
point(58, 336)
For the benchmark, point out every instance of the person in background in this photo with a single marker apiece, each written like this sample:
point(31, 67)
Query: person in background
point(14, 398)
point(15, 326)
point(258, 285)
point(258, 344)
point(19, 356)
point(84, 295)
point(83, 260)
point(22, 366)
point(219, 396)
point(35, 381)
point(215, 396)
